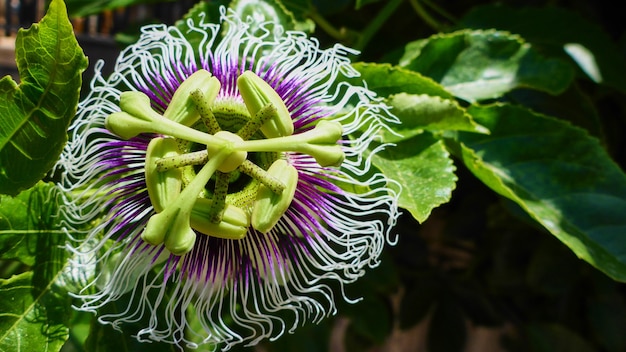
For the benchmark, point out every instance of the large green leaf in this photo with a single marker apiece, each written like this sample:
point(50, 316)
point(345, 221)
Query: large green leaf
point(562, 30)
point(387, 80)
point(424, 112)
point(557, 173)
point(423, 167)
point(32, 318)
point(35, 115)
point(25, 219)
point(478, 65)
point(34, 305)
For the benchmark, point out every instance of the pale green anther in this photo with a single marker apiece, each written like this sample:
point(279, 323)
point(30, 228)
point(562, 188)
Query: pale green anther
point(322, 143)
point(235, 158)
point(206, 113)
point(136, 116)
point(233, 225)
point(256, 94)
point(163, 186)
point(182, 108)
point(269, 206)
point(125, 125)
point(180, 160)
point(325, 155)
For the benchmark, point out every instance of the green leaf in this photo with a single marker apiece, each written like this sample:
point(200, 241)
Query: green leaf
point(34, 306)
point(35, 115)
point(32, 319)
point(83, 8)
point(558, 174)
point(26, 218)
point(423, 167)
point(424, 112)
point(478, 65)
point(555, 28)
point(387, 80)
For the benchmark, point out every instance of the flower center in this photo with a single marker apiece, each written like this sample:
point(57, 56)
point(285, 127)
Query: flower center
point(219, 165)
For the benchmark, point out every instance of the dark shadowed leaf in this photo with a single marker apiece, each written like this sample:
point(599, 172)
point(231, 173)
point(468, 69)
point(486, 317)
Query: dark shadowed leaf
point(559, 175)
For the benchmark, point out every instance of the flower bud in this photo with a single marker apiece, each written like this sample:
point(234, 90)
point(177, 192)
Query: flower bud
point(163, 186)
point(257, 94)
point(181, 108)
point(234, 159)
point(234, 223)
point(269, 207)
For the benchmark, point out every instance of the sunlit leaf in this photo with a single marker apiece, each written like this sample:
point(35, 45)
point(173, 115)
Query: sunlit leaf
point(558, 174)
point(35, 115)
point(424, 112)
point(423, 167)
point(387, 80)
point(478, 65)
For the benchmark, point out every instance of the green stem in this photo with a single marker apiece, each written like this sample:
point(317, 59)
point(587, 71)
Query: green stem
point(376, 23)
point(441, 11)
point(327, 26)
point(421, 11)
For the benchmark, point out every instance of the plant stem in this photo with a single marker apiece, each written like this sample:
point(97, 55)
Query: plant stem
point(376, 23)
point(421, 11)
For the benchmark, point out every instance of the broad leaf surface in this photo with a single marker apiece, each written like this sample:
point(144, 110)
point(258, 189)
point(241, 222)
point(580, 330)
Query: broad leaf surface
point(559, 175)
point(424, 112)
point(423, 167)
point(34, 306)
point(26, 218)
point(35, 115)
point(557, 28)
point(387, 80)
point(479, 65)
point(32, 317)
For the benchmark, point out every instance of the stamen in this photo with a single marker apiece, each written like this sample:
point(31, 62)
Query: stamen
point(137, 116)
point(257, 94)
point(172, 225)
point(182, 108)
point(320, 143)
point(256, 121)
point(219, 197)
point(254, 171)
point(194, 158)
point(204, 108)
point(163, 187)
point(269, 206)
point(234, 224)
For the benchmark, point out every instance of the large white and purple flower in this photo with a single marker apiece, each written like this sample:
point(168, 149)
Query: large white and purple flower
point(223, 193)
